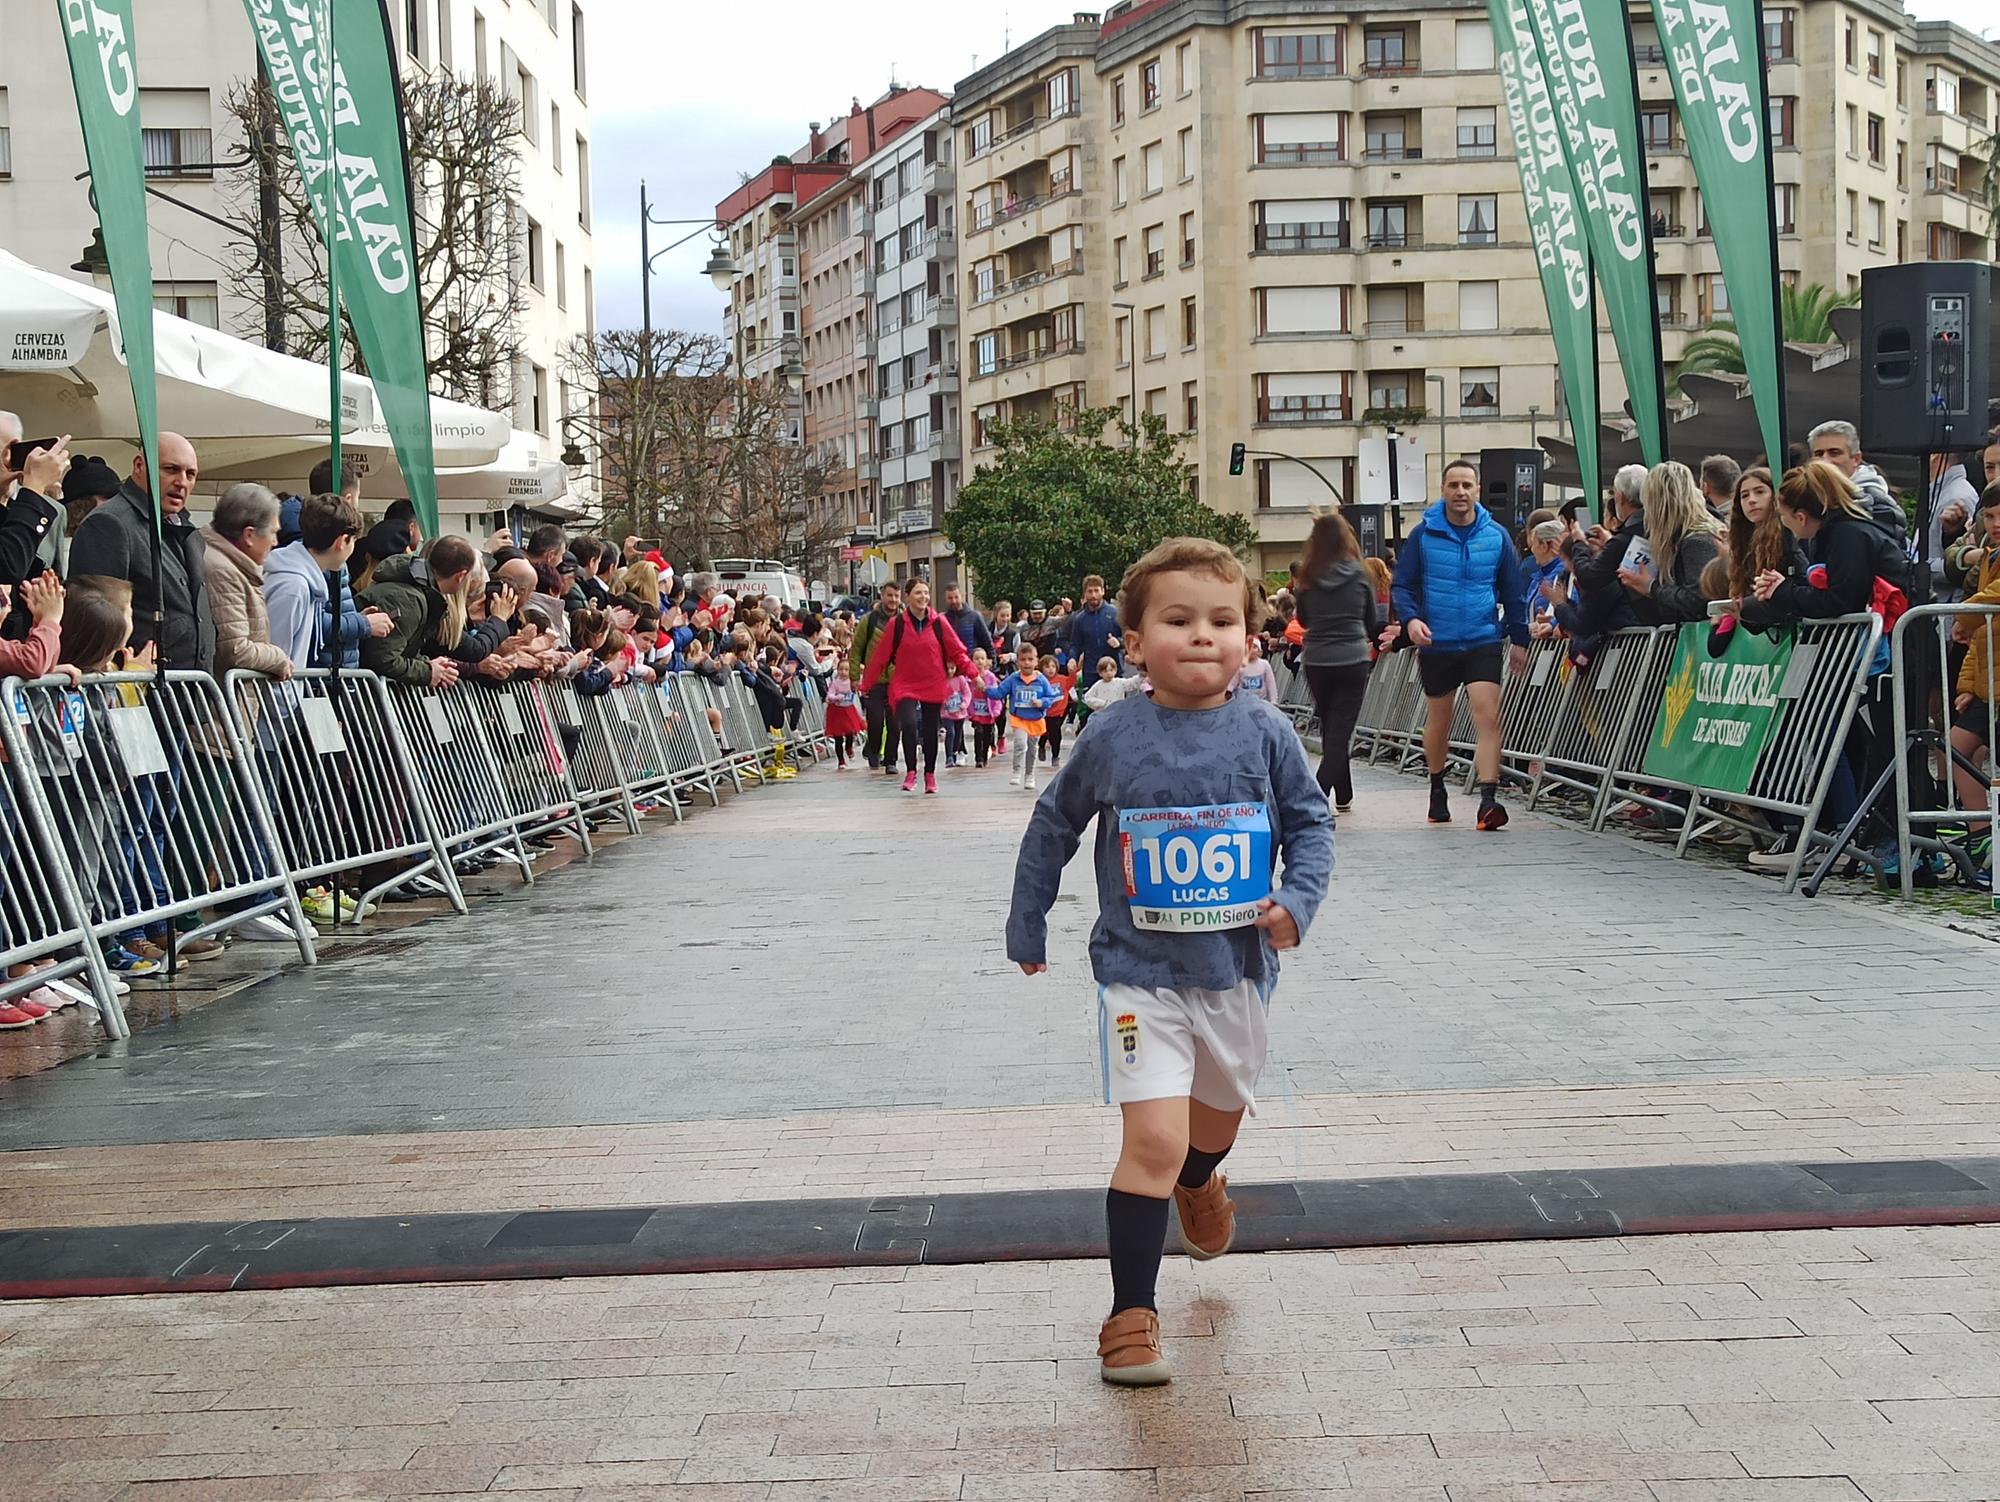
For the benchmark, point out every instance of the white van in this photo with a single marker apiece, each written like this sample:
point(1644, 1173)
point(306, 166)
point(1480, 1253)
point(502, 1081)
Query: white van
point(752, 577)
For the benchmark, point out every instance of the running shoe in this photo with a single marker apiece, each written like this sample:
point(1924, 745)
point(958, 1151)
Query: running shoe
point(1208, 1218)
point(1493, 816)
point(266, 928)
point(1028, 783)
point(930, 782)
point(1344, 808)
point(1128, 1350)
point(12, 1017)
point(187, 950)
point(1014, 781)
point(34, 1009)
point(909, 782)
point(1777, 858)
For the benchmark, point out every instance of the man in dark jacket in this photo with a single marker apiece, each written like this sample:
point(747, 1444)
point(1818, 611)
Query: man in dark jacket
point(967, 622)
point(116, 542)
point(1094, 631)
point(1604, 604)
point(411, 591)
point(880, 742)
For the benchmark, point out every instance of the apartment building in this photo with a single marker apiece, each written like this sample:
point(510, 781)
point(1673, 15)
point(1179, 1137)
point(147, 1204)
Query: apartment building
point(1296, 223)
point(913, 298)
point(190, 53)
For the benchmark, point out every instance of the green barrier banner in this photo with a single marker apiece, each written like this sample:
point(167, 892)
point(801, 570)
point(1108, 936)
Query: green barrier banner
point(361, 199)
point(1562, 250)
point(1587, 53)
point(1715, 52)
point(1718, 712)
point(99, 37)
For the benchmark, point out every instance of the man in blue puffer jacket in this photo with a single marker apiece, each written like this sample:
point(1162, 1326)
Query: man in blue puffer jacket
point(1456, 594)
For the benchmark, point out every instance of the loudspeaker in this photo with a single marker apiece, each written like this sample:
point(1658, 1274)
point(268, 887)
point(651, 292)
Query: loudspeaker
point(1929, 335)
point(1366, 519)
point(1510, 483)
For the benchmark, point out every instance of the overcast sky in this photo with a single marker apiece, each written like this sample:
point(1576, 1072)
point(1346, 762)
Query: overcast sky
point(684, 97)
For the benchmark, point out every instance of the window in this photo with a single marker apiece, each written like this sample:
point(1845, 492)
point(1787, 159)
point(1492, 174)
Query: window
point(589, 302)
point(1303, 311)
point(1118, 262)
point(1301, 140)
point(884, 190)
point(1303, 396)
point(413, 30)
point(1785, 203)
point(6, 139)
point(1187, 239)
point(1121, 338)
point(1383, 137)
point(1853, 216)
point(1184, 68)
point(1780, 34)
point(1149, 85)
point(1656, 128)
point(1190, 406)
point(1296, 225)
point(1941, 92)
point(524, 93)
point(1849, 43)
point(195, 301)
point(1388, 226)
point(1152, 168)
point(885, 254)
point(1383, 50)
point(577, 52)
point(583, 182)
point(1713, 296)
point(1941, 171)
point(1187, 153)
point(562, 276)
point(1667, 300)
point(174, 133)
point(1389, 388)
point(1479, 390)
point(1119, 185)
point(1118, 101)
point(1190, 323)
point(479, 47)
point(979, 137)
point(1477, 132)
point(1902, 164)
point(1156, 402)
point(1395, 310)
point(1059, 94)
point(1479, 305)
point(1853, 131)
point(1478, 219)
point(1902, 84)
point(1298, 54)
point(1156, 332)
point(539, 412)
point(555, 136)
point(1784, 110)
point(532, 237)
point(1902, 239)
point(1474, 52)
point(1878, 223)
point(1875, 137)
point(985, 354)
point(1875, 55)
point(1156, 249)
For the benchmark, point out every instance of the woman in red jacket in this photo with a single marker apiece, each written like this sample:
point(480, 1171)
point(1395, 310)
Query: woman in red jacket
point(924, 651)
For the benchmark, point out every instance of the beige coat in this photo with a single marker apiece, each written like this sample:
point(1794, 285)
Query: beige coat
point(236, 598)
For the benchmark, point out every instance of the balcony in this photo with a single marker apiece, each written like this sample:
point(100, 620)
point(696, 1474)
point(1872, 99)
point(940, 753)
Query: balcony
point(940, 245)
point(866, 409)
point(944, 309)
point(944, 378)
point(864, 345)
point(1025, 129)
point(1388, 239)
point(944, 442)
point(868, 469)
point(938, 177)
point(1378, 327)
point(1304, 154)
point(1396, 153)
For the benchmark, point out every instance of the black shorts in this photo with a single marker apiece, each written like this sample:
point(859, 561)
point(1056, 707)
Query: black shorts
point(1973, 719)
point(1443, 673)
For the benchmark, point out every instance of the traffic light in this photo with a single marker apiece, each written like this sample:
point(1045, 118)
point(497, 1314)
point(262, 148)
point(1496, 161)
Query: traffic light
point(1236, 452)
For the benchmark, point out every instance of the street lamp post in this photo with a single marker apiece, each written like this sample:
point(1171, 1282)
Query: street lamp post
point(1444, 449)
point(1534, 426)
point(1132, 362)
point(721, 270)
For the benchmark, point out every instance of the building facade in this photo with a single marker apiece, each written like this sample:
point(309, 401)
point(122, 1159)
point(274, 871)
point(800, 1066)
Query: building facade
point(190, 53)
point(1290, 224)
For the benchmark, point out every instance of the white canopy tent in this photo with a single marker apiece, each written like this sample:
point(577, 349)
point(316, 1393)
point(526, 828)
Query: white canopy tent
point(62, 367)
point(508, 474)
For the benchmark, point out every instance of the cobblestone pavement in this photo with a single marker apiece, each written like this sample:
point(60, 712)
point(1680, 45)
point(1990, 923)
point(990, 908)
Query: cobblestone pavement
point(871, 978)
point(1828, 1366)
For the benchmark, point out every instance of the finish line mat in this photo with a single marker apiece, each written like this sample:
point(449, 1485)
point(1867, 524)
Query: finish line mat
point(1033, 1225)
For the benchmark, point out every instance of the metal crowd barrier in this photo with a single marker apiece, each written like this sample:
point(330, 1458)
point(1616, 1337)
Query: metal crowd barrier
point(1928, 629)
point(594, 746)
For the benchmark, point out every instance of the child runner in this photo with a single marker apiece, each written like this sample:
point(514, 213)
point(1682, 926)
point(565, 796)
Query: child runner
point(985, 707)
point(957, 710)
point(1105, 692)
point(844, 720)
point(1256, 677)
point(1196, 792)
point(1029, 697)
point(1064, 679)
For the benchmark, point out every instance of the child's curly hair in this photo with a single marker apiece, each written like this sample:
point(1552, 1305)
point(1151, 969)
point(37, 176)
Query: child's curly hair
point(1180, 555)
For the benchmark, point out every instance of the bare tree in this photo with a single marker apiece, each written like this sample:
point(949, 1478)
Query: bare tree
point(465, 140)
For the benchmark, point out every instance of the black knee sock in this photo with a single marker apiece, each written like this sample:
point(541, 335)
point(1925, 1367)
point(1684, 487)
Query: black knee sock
point(1136, 1226)
point(1199, 1165)
point(1437, 782)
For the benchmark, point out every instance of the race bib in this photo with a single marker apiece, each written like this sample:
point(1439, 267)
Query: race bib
point(1253, 683)
point(1188, 869)
point(955, 705)
point(842, 697)
point(1027, 702)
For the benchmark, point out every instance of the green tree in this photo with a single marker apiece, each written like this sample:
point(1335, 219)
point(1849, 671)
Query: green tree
point(1062, 504)
point(1803, 313)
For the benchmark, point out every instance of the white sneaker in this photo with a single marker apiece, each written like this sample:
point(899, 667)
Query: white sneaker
point(265, 929)
point(1777, 858)
point(1013, 782)
point(1028, 783)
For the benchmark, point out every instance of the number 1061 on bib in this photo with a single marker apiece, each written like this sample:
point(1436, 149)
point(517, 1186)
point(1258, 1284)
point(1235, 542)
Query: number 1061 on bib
point(1188, 869)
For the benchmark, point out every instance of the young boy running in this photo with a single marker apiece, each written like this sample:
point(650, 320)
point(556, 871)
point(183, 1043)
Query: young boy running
point(1029, 697)
point(1196, 791)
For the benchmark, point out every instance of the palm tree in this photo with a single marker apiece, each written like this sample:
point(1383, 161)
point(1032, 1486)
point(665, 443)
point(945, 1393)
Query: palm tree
point(1803, 314)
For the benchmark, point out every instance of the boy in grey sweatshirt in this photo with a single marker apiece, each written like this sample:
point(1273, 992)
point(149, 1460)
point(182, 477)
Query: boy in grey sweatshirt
point(1196, 791)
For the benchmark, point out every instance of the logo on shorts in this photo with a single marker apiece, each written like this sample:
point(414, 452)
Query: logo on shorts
point(1127, 1027)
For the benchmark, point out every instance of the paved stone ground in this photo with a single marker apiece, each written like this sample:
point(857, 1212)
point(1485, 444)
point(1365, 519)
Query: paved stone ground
point(648, 988)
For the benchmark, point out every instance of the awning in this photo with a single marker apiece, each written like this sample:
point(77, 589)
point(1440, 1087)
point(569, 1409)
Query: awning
point(460, 435)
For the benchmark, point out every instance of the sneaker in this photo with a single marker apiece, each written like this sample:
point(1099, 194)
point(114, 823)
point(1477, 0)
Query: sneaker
point(1014, 781)
point(12, 1017)
point(1128, 1350)
point(123, 961)
point(1208, 1218)
point(909, 782)
point(27, 1004)
point(888, 769)
point(319, 906)
point(148, 949)
point(200, 949)
point(1777, 858)
point(1344, 808)
point(266, 928)
point(1493, 816)
point(930, 782)
point(1028, 783)
point(1440, 805)
point(56, 995)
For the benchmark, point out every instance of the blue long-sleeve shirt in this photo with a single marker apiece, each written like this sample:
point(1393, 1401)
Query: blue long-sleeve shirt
point(1136, 755)
point(1094, 634)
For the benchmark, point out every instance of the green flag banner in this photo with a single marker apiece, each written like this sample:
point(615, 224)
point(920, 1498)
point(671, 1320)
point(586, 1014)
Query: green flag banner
point(99, 36)
point(1718, 712)
point(367, 223)
point(1562, 250)
point(1715, 51)
point(1587, 53)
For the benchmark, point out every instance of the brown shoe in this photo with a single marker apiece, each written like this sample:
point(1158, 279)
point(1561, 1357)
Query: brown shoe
point(1208, 1218)
point(200, 949)
point(146, 949)
point(1129, 1347)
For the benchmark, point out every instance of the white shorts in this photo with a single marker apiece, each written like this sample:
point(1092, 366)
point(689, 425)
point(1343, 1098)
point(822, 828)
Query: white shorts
point(1207, 1045)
